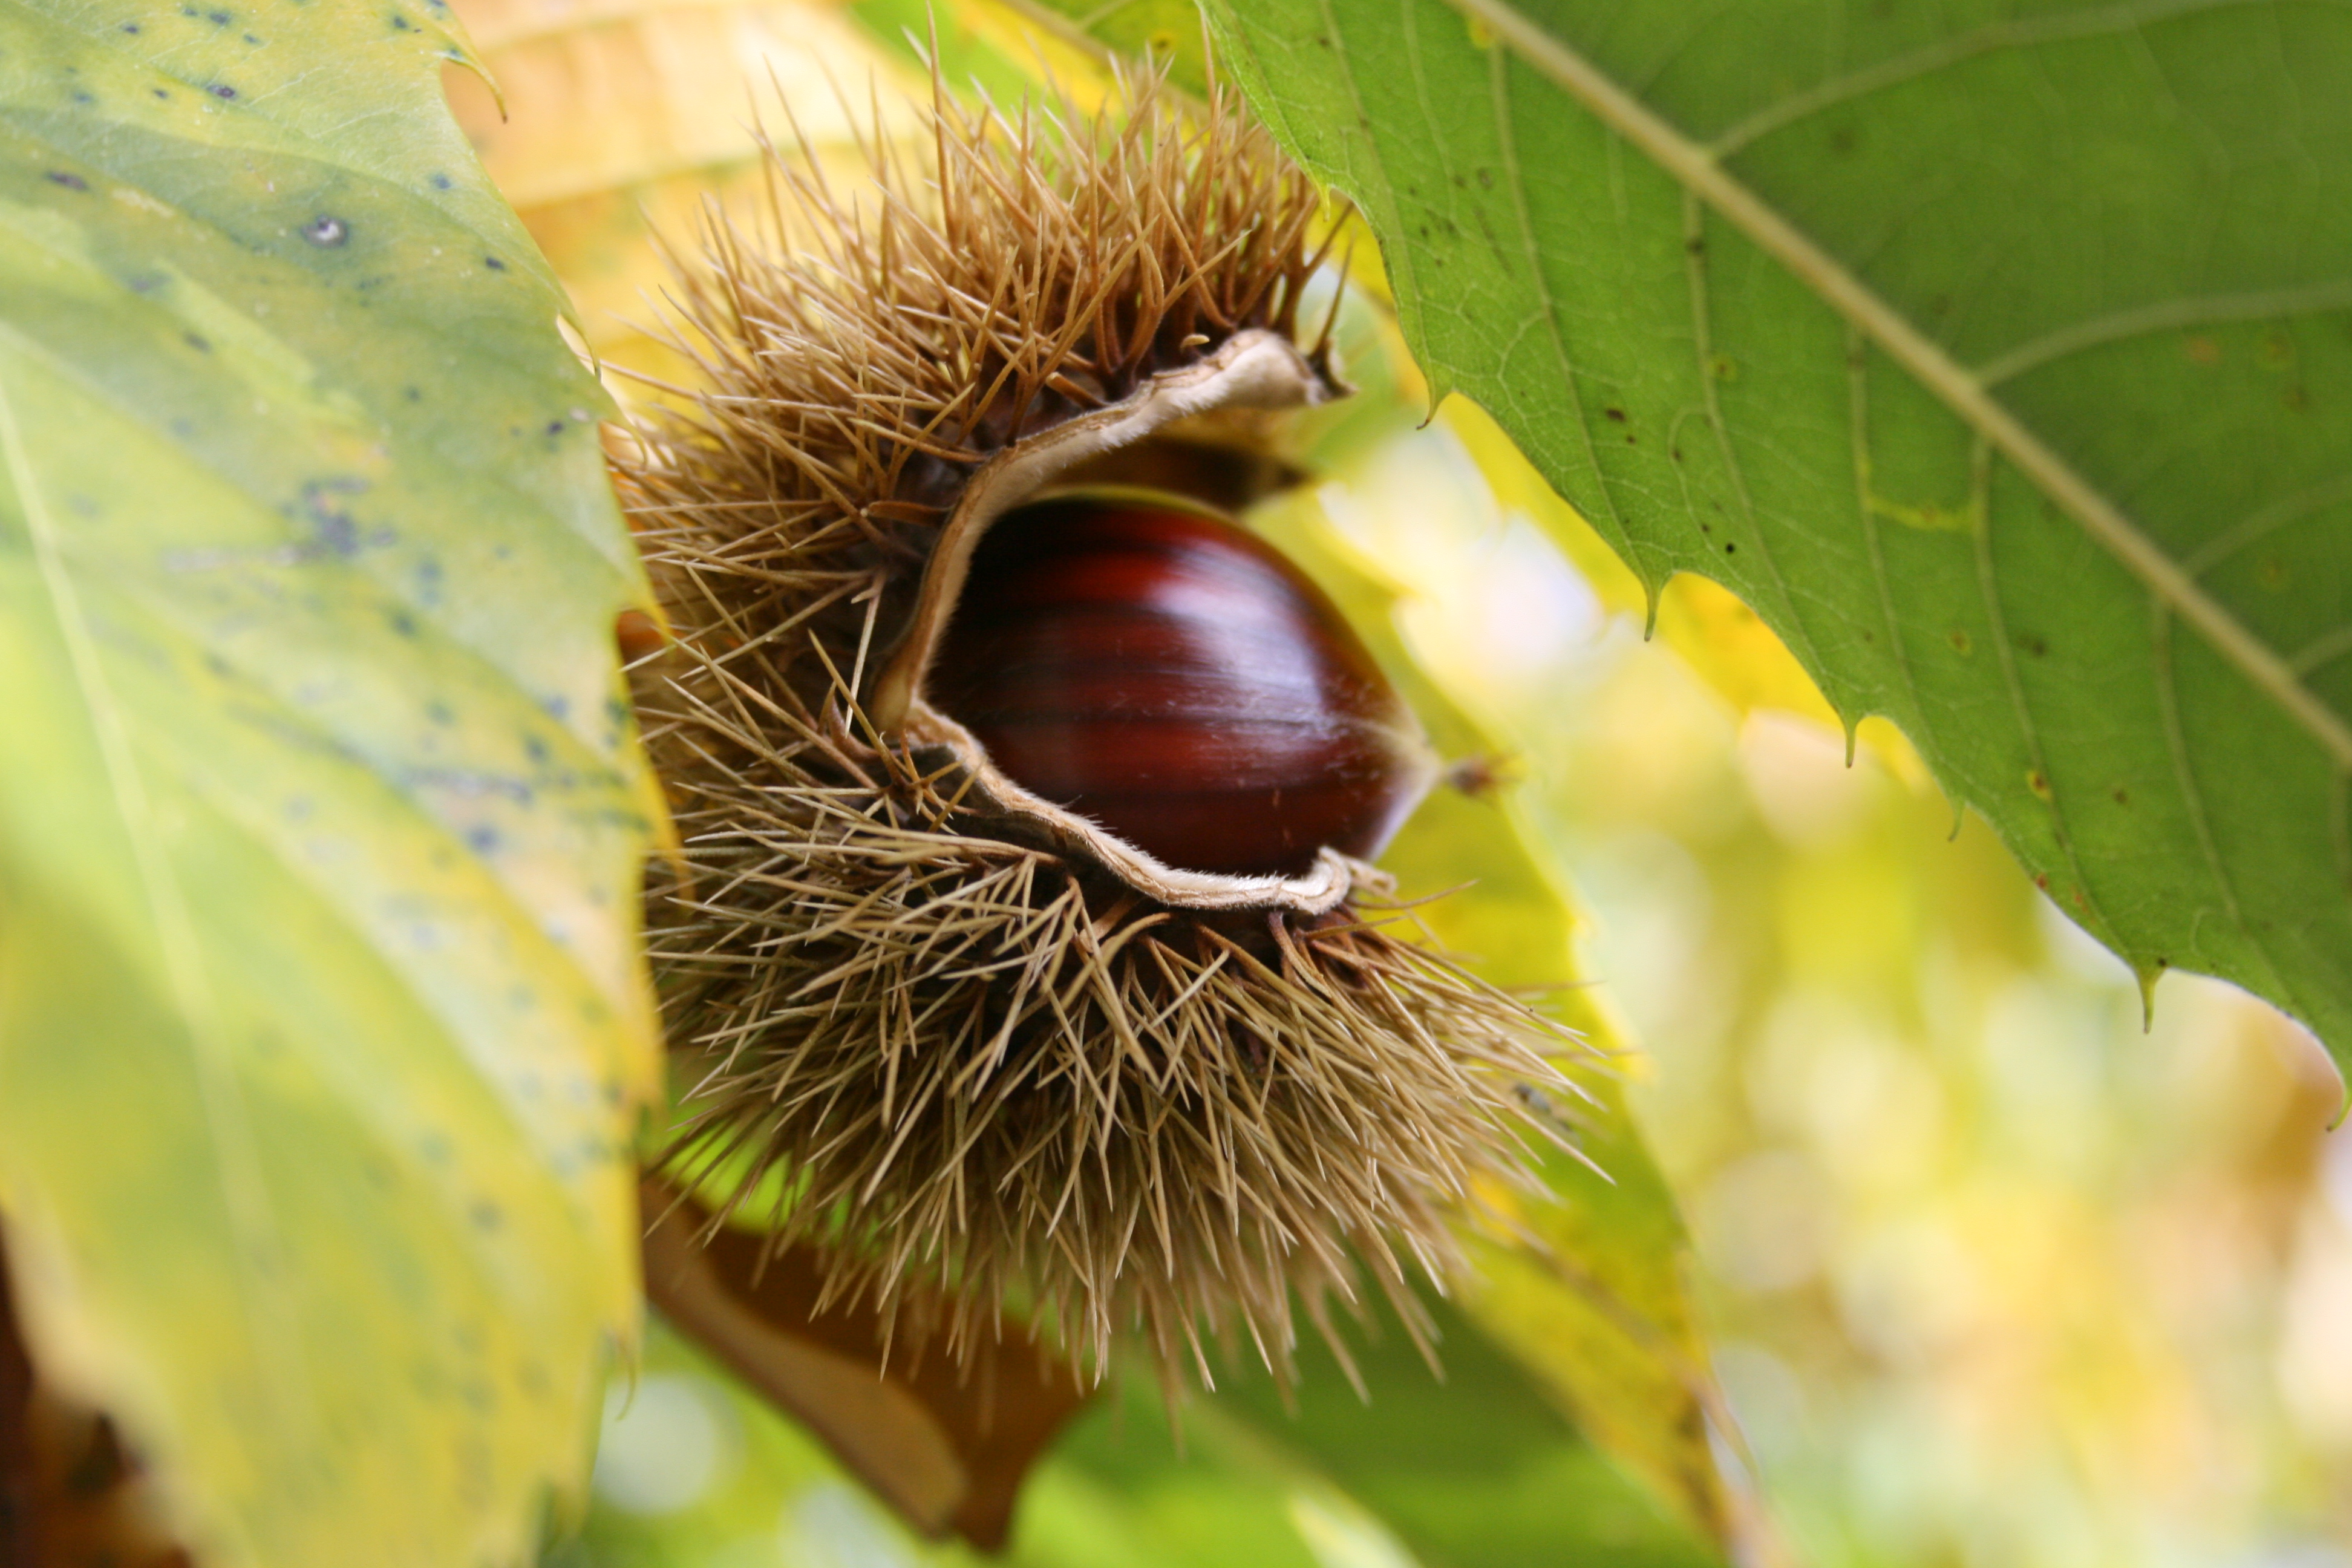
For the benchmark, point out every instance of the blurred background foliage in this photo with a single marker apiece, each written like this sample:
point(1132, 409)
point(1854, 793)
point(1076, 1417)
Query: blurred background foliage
point(1994, 1270)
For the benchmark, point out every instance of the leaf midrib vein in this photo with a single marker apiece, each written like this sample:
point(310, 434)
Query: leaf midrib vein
point(1964, 394)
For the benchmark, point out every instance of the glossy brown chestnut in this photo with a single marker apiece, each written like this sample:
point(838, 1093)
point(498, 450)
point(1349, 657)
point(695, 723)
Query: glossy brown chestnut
point(1159, 670)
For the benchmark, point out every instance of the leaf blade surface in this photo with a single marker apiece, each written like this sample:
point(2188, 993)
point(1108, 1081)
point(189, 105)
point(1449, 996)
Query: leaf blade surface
point(320, 1015)
point(2000, 364)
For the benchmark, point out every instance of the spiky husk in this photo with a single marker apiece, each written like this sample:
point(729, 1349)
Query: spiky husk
point(980, 1063)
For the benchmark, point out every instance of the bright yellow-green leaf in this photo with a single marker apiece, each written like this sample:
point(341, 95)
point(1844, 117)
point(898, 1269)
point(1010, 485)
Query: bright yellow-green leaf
point(320, 1023)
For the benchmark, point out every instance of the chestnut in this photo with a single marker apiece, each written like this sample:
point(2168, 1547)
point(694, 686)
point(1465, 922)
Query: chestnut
point(1150, 665)
point(1021, 923)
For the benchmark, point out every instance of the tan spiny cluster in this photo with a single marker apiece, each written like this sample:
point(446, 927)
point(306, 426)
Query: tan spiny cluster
point(969, 1064)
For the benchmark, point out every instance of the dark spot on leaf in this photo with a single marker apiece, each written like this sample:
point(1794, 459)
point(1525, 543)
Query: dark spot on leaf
point(326, 232)
point(251, 39)
point(401, 24)
point(414, 394)
point(1867, 636)
point(2122, 797)
point(486, 1215)
point(1960, 640)
point(440, 713)
point(1486, 179)
point(333, 531)
point(80, 97)
point(2296, 398)
point(2041, 881)
point(403, 622)
point(557, 706)
point(1695, 245)
point(534, 748)
point(482, 840)
point(2036, 781)
point(217, 18)
point(222, 90)
point(70, 182)
point(1841, 139)
point(131, 27)
point(2036, 646)
point(1616, 414)
point(1731, 550)
point(494, 264)
point(441, 182)
point(159, 92)
point(555, 427)
point(1632, 439)
point(197, 341)
point(2163, 963)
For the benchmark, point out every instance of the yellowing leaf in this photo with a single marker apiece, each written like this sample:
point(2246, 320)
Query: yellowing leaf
point(320, 1019)
point(619, 121)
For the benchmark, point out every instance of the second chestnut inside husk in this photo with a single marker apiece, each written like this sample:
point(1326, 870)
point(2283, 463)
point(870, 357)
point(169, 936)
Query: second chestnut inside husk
point(941, 1019)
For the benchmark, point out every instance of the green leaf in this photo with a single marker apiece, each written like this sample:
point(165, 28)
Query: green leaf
point(1598, 1313)
point(1478, 1471)
point(1475, 1472)
point(320, 1020)
point(2004, 364)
